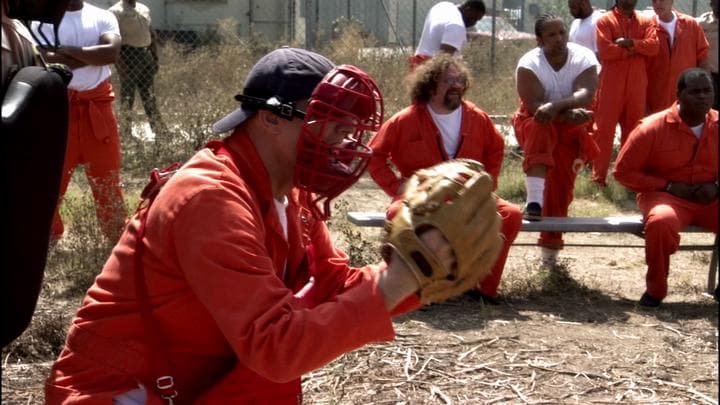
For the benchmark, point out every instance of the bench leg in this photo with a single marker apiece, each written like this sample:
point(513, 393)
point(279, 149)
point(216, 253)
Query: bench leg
point(713, 268)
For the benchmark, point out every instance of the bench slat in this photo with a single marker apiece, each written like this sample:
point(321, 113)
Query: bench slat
point(627, 224)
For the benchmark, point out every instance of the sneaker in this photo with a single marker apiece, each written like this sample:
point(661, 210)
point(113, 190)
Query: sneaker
point(532, 211)
point(648, 301)
point(476, 295)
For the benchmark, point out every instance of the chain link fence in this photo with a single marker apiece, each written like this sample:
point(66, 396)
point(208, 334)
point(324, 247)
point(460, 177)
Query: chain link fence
point(207, 46)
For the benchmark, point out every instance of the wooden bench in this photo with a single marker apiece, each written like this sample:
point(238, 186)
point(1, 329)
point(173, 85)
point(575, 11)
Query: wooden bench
point(625, 224)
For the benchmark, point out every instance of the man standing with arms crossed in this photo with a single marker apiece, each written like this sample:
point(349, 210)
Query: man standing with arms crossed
point(91, 42)
point(671, 161)
point(445, 29)
point(624, 39)
point(138, 65)
point(682, 45)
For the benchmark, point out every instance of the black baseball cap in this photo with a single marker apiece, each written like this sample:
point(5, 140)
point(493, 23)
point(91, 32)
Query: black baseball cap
point(286, 74)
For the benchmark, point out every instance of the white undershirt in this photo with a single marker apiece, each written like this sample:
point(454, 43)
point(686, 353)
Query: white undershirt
point(281, 207)
point(669, 27)
point(449, 126)
point(697, 130)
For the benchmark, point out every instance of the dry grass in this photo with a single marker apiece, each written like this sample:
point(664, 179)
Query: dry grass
point(572, 335)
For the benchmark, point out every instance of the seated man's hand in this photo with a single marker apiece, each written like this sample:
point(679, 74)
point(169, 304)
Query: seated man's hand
point(705, 193)
point(546, 113)
point(577, 115)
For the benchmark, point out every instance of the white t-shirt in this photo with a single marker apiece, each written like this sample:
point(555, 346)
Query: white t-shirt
point(697, 130)
point(443, 25)
point(558, 84)
point(84, 28)
point(449, 126)
point(582, 31)
point(669, 27)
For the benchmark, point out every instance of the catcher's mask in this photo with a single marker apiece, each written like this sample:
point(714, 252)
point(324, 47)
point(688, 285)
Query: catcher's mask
point(44, 11)
point(331, 152)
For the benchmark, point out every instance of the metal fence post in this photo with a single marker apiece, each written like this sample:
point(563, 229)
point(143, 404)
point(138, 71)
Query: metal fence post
point(492, 41)
point(250, 18)
point(414, 25)
point(311, 23)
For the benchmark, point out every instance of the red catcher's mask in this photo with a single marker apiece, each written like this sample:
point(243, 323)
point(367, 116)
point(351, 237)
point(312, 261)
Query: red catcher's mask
point(331, 152)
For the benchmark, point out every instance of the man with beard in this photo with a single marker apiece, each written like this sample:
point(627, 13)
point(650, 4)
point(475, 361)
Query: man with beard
point(582, 29)
point(681, 187)
point(556, 82)
point(682, 45)
point(445, 29)
point(440, 125)
point(625, 39)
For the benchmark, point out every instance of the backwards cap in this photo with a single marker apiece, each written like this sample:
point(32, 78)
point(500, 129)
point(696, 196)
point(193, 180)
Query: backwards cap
point(285, 74)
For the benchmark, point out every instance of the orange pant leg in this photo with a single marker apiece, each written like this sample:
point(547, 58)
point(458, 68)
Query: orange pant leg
point(560, 181)
point(665, 216)
point(537, 141)
point(511, 222)
point(607, 115)
point(634, 111)
point(102, 167)
point(100, 153)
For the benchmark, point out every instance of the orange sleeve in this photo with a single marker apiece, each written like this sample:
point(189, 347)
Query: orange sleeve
point(607, 50)
point(232, 274)
point(648, 44)
point(494, 152)
point(701, 43)
point(382, 145)
point(634, 157)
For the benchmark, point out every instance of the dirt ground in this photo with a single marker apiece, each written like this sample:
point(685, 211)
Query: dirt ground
point(573, 334)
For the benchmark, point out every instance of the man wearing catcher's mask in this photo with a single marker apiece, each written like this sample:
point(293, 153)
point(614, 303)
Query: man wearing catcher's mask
point(226, 287)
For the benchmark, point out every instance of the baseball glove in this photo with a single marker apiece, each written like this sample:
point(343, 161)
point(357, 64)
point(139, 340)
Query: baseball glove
point(456, 198)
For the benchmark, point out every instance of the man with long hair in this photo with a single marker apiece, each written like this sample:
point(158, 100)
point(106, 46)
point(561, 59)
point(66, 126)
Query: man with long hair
point(441, 124)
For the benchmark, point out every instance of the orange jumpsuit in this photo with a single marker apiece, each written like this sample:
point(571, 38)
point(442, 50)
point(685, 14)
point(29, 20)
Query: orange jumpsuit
point(410, 140)
point(661, 149)
point(415, 60)
point(223, 282)
point(689, 48)
point(623, 81)
point(93, 141)
point(556, 145)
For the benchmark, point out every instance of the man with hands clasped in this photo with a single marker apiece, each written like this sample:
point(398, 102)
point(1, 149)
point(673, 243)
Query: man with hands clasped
point(671, 161)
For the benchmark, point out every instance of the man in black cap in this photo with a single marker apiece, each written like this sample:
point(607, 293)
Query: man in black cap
point(226, 287)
